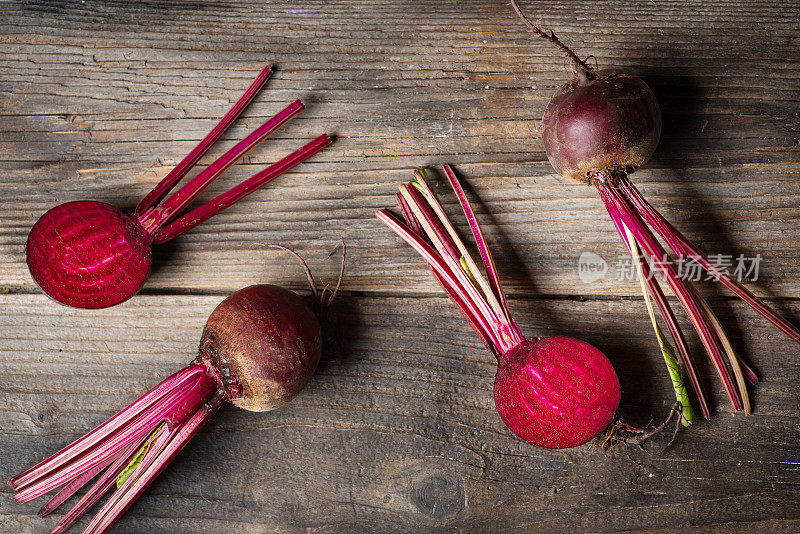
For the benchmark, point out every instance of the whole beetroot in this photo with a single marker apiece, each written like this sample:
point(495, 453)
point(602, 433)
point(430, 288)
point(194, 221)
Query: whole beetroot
point(607, 119)
point(600, 127)
point(259, 348)
point(265, 342)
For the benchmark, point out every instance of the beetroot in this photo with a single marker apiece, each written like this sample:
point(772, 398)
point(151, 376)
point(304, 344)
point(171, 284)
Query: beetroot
point(599, 128)
point(259, 348)
point(265, 342)
point(554, 392)
point(610, 120)
point(91, 255)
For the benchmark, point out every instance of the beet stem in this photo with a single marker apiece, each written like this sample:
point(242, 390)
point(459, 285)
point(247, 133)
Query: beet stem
point(412, 222)
point(421, 183)
point(498, 312)
point(480, 240)
point(162, 455)
point(685, 248)
point(159, 216)
point(179, 171)
point(582, 70)
point(430, 232)
point(230, 197)
point(100, 488)
point(733, 358)
point(100, 450)
point(123, 417)
point(654, 291)
point(431, 215)
point(74, 485)
point(478, 301)
point(622, 209)
point(448, 279)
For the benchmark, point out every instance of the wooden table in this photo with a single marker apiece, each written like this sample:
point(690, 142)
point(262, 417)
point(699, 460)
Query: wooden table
point(397, 432)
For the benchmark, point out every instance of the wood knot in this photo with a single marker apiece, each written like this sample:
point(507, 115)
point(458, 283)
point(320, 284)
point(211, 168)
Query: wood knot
point(438, 495)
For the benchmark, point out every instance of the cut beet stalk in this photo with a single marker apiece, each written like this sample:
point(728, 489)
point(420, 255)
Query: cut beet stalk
point(225, 200)
point(75, 484)
point(686, 249)
point(175, 175)
point(654, 291)
point(619, 208)
point(144, 475)
point(159, 216)
point(91, 255)
point(112, 425)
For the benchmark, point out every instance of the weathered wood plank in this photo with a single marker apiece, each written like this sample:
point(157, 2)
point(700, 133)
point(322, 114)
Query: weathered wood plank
point(397, 430)
point(101, 100)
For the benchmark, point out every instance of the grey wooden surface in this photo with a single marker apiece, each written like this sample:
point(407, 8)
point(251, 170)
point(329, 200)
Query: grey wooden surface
point(397, 431)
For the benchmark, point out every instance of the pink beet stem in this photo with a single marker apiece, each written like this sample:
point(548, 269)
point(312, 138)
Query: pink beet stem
point(225, 200)
point(446, 247)
point(99, 488)
point(654, 290)
point(621, 208)
point(437, 264)
point(476, 299)
point(483, 248)
point(98, 453)
point(159, 216)
point(150, 468)
point(160, 438)
point(449, 247)
point(685, 248)
point(412, 222)
point(74, 485)
point(733, 358)
point(498, 310)
point(408, 215)
point(176, 174)
point(427, 208)
point(110, 426)
point(132, 431)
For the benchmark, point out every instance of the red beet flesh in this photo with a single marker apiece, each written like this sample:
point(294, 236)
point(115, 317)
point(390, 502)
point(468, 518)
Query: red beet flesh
point(88, 254)
point(609, 121)
point(556, 392)
point(265, 343)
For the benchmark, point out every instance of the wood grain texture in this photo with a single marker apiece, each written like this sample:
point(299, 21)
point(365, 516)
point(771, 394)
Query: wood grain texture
point(397, 432)
point(398, 429)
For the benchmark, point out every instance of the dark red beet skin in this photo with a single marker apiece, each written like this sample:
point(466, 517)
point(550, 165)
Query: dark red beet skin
point(556, 392)
point(609, 121)
point(265, 342)
point(88, 254)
